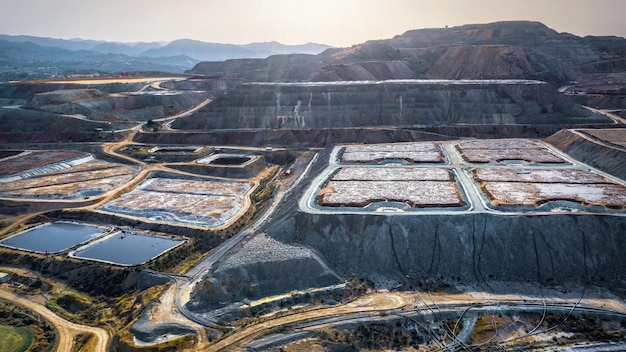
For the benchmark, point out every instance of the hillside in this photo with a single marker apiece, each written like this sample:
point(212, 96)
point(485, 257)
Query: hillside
point(528, 50)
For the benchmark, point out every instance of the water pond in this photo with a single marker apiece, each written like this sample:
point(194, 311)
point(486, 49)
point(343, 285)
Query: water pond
point(53, 237)
point(126, 248)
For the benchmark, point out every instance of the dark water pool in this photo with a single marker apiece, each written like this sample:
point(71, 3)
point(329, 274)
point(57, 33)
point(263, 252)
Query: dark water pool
point(53, 237)
point(125, 248)
point(8, 153)
point(231, 160)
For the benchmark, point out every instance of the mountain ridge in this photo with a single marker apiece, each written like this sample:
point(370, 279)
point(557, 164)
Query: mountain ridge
point(103, 46)
point(499, 50)
point(39, 57)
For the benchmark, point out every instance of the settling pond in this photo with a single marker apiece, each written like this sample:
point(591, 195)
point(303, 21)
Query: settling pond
point(126, 248)
point(53, 237)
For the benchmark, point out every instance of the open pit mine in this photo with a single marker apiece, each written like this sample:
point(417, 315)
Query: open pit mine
point(361, 199)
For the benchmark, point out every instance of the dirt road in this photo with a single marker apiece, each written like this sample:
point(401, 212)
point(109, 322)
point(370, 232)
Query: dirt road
point(66, 330)
point(381, 301)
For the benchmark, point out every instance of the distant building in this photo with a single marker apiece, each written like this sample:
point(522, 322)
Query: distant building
point(4, 277)
point(124, 74)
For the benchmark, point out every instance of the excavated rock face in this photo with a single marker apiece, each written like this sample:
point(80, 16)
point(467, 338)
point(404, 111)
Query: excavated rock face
point(95, 104)
point(485, 61)
point(386, 103)
point(26, 90)
point(138, 106)
point(297, 67)
point(71, 101)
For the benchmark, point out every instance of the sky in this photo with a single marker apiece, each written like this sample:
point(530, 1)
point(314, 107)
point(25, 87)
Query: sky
point(339, 23)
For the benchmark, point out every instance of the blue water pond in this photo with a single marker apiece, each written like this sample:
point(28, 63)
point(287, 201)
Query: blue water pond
point(53, 237)
point(127, 248)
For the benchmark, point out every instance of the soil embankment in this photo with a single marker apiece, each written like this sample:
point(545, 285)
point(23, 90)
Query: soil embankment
point(601, 154)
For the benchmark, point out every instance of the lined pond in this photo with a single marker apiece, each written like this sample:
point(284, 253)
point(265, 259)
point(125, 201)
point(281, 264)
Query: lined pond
point(53, 237)
point(126, 248)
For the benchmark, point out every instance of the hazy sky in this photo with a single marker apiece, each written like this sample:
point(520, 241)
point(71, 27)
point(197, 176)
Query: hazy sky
point(334, 22)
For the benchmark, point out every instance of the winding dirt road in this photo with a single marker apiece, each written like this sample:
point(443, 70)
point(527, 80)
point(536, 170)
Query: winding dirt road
point(66, 330)
point(381, 301)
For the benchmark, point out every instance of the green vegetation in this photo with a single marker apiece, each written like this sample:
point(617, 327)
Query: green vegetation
point(585, 328)
point(170, 261)
point(151, 126)
point(356, 287)
point(282, 329)
point(31, 285)
point(81, 342)
point(493, 330)
point(486, 328)
point(124, 311)
point(375, 336)
point(14, 339)
point(23, 330)
point(262, 198)
point(73, 306)
point(101, 311)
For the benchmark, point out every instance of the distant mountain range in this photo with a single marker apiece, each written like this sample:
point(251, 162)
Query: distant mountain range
point(44, 56)
point(510, 49)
